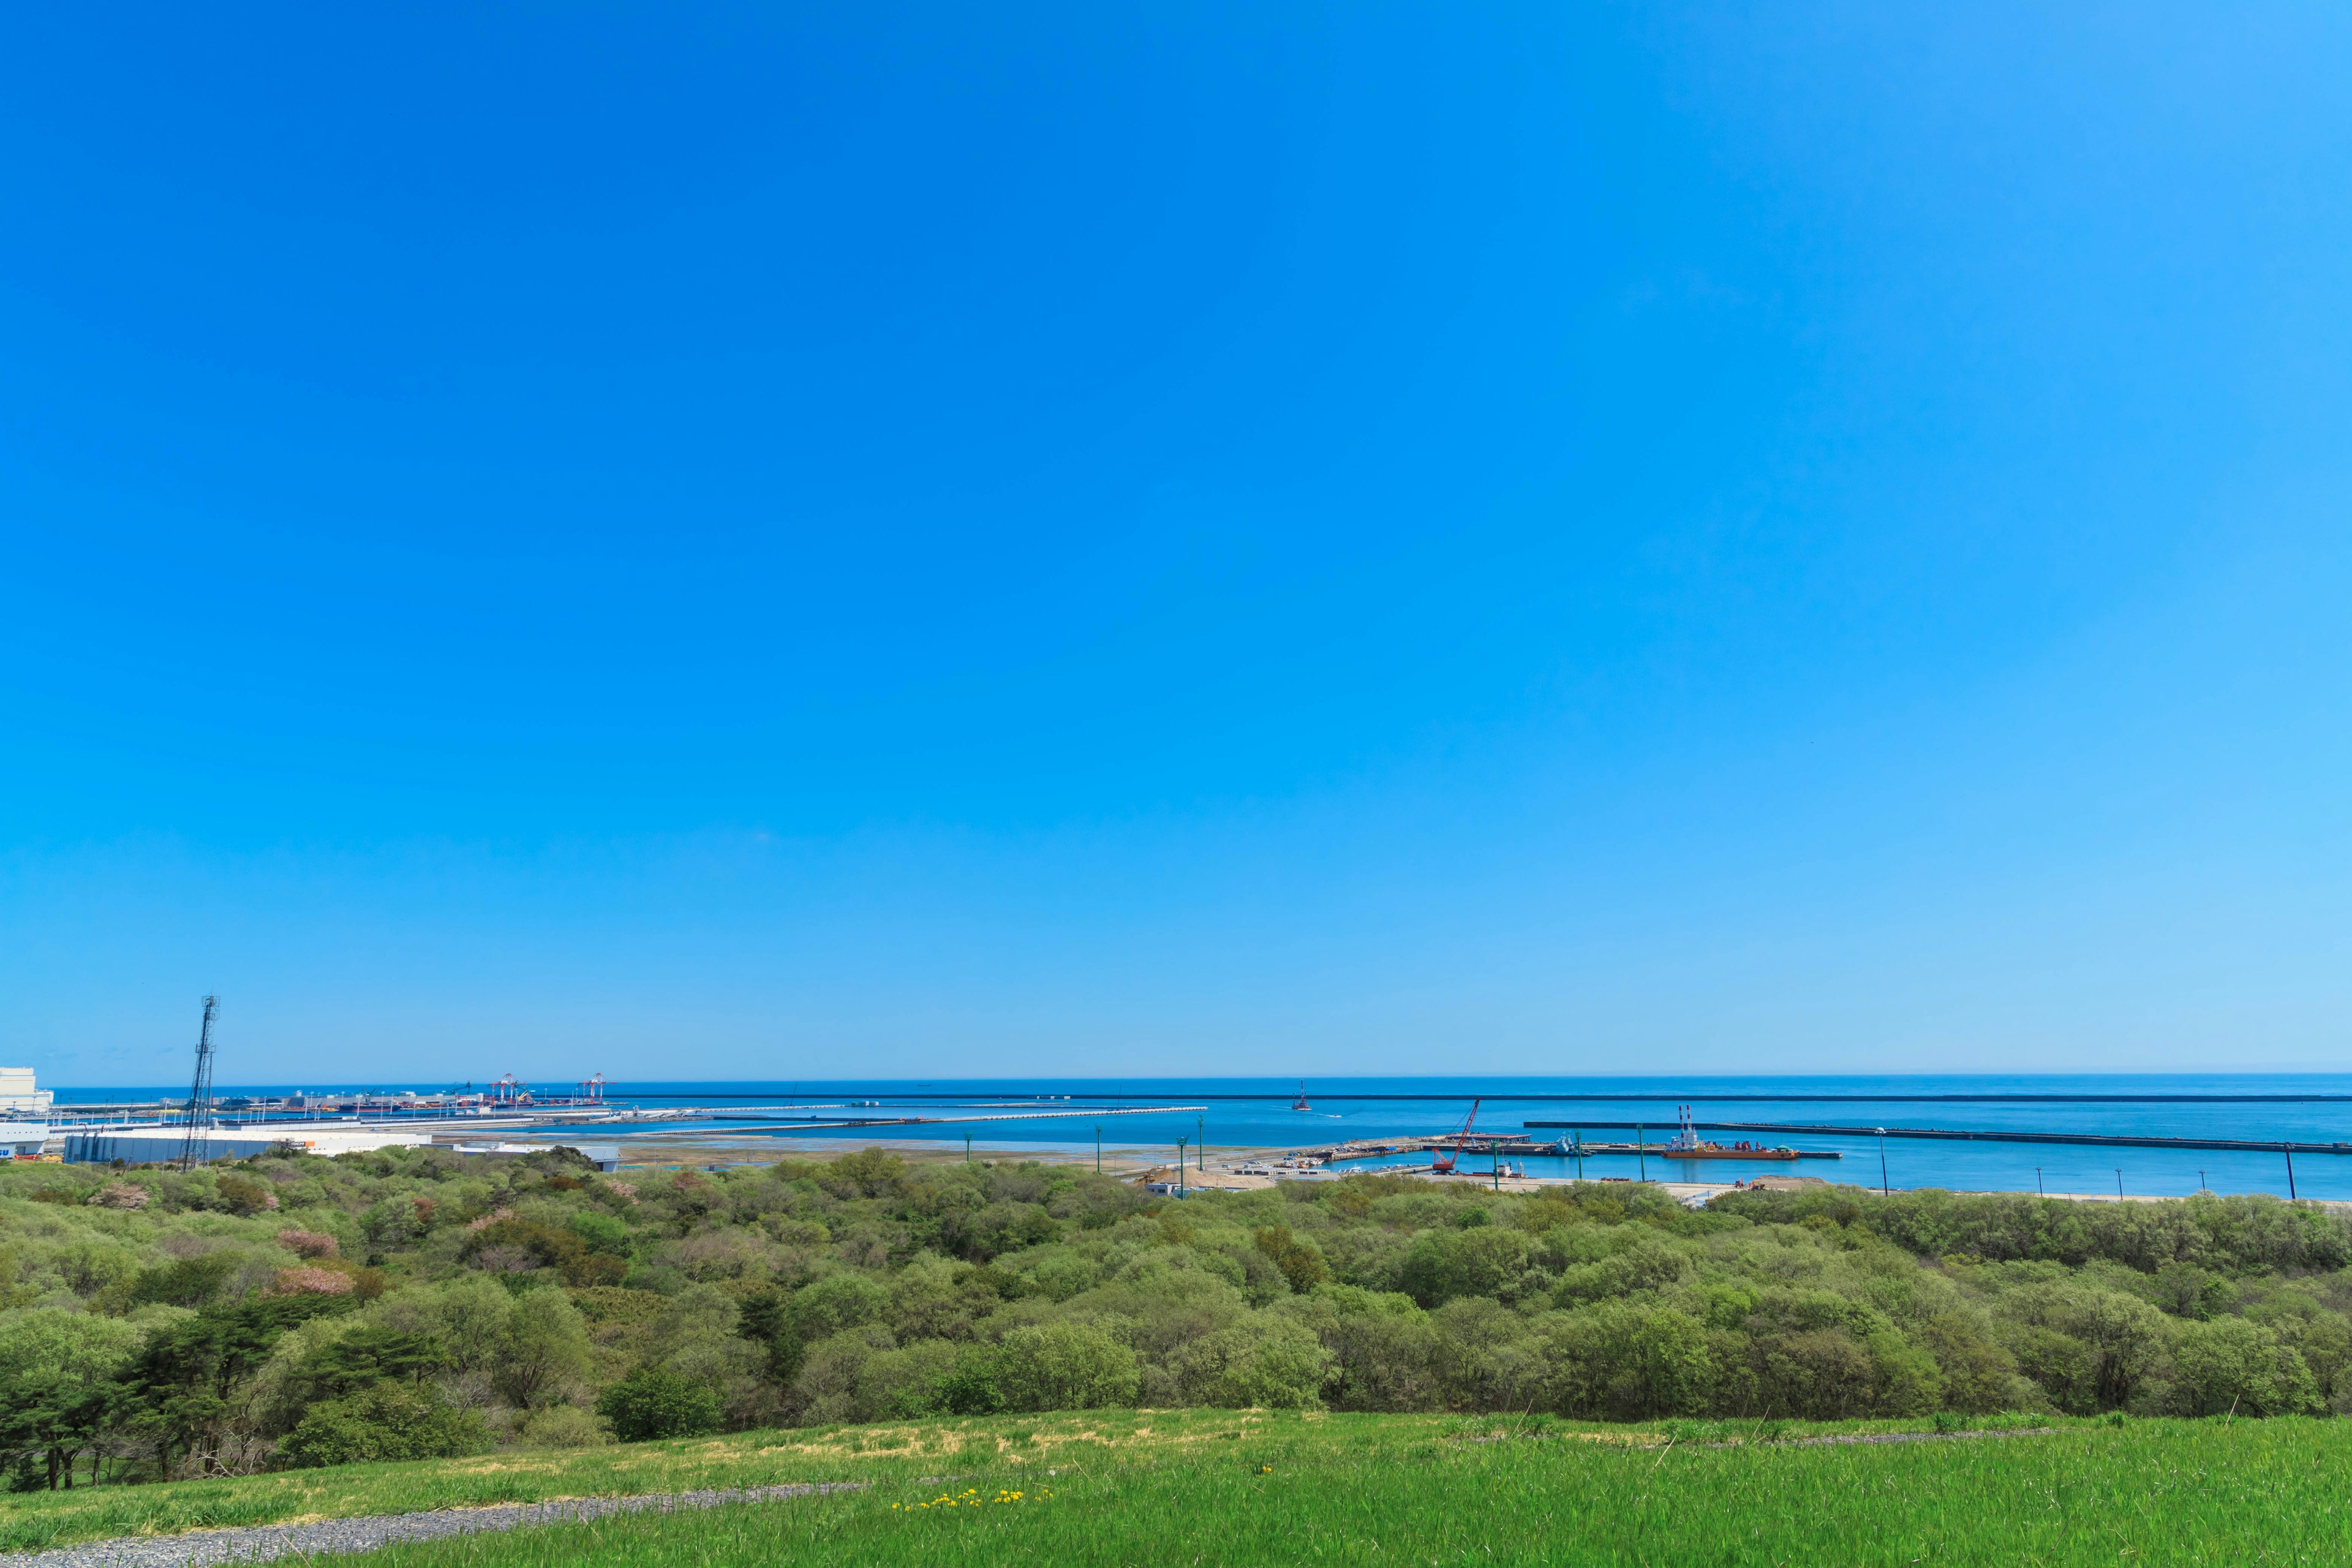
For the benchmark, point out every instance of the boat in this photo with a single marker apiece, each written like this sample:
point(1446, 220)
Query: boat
point(1300, 1104)
point(1686, 1145)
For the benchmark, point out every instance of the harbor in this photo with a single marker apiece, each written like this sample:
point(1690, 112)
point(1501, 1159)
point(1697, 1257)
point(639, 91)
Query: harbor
point(2157, 1136)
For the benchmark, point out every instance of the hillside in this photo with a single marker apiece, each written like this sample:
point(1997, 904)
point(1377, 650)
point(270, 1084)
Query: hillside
point(301, 1312)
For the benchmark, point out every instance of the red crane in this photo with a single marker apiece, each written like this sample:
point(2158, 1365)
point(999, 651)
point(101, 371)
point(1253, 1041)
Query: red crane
point(1442, 1164)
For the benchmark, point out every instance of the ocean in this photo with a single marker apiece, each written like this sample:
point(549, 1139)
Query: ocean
point(1008, 1116)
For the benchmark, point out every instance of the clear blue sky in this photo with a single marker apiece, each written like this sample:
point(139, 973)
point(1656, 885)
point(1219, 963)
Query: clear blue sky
point(812, 540)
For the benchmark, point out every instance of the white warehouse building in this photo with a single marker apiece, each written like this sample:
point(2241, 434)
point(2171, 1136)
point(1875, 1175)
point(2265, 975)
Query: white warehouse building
point(159, 1145)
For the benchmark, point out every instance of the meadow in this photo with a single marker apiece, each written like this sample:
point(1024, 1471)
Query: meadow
point(1247, 1487)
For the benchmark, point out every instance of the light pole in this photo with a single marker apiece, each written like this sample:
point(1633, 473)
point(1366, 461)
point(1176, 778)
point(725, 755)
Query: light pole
point(1201, 1150)
point(1580, 1153)
point(967, 1148)
point(2042, 1191)
point(2289, 1151)
point(1641, 1152)
point(1179, 1167)
point(1097, 1147)
point(1882, 1189)
point(2119, 1186)
point(2200, 1181)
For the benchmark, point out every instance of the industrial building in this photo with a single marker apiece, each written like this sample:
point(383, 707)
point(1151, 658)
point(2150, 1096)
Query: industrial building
point(24, 1115)
point(159, 1145)
point(19, 1100)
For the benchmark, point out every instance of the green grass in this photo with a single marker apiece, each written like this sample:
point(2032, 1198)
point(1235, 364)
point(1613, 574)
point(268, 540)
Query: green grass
point(33, 1519)
point(1211, 1487)
point(2157, 1492)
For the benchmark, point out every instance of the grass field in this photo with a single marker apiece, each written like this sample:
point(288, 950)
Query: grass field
point(1211, 1487)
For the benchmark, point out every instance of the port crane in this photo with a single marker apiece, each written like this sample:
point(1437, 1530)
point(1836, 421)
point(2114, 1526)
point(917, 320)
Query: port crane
point(195, 1148)
point(1442, 1164)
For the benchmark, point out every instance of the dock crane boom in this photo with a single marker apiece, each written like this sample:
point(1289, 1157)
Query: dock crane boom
point(1442, 1164)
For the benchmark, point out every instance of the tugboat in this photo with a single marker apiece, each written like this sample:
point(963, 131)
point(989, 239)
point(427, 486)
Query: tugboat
point(1300, 1104)
point(1686, 1145)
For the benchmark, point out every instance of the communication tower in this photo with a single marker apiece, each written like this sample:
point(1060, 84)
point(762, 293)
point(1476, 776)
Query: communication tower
point(196, 1148)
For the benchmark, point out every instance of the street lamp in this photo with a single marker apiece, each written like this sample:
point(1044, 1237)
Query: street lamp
point(1179, 1167)
point(1882, 1190)
point(1097, 1147)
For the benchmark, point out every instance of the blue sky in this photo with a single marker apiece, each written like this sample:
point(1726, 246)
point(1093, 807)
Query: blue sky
point(797, 541)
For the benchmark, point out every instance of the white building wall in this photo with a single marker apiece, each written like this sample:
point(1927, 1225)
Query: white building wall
point(155, 1146)
point(17, 1095)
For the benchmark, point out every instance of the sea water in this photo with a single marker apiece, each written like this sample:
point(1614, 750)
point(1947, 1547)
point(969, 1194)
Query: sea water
point(1257, 1114)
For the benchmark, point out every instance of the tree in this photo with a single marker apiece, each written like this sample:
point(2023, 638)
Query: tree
point(1443, 1264)
point(188, 1389)
point(1064, 1366)
point(2232, 1365)
point(545, 1345)
point(1299, 1261)
point(47, 1418)
point(2121, 1337)
point(1629, 1361)
point(766, 1319)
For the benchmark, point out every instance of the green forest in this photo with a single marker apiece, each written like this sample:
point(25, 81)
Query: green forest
point(289, 1312)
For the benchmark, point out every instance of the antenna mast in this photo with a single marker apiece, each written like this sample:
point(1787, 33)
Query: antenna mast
point(197, 1149)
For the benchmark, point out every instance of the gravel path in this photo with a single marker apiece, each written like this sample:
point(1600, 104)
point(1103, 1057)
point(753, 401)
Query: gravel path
point(261, 1543)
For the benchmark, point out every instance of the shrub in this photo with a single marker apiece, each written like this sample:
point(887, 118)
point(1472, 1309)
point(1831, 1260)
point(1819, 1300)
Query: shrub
point(304, 1243)
point(565, 1426)
point(122, 1196)
point(1630, 1362)
point(1274, 1364)
point(314, 1281)
point(1384, 1348)
point(836, 1302)
point(190, 1282)
point(1301, 1264)
point(387, 1421)
point(1488, 1260)
point(239, 1196)
point(651, 1403)
point(502, 1244)
point(602, 1233)
point(2231, 1364)
point(1064, 1366)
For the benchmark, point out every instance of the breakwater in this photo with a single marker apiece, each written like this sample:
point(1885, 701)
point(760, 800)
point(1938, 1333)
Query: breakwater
point(2101, 1140)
